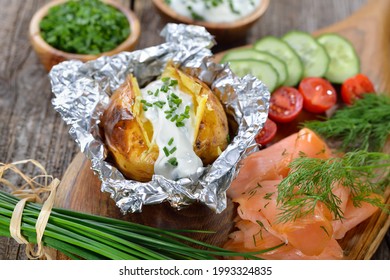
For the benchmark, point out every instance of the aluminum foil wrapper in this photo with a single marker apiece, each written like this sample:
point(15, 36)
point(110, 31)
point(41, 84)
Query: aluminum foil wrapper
point(82, 92)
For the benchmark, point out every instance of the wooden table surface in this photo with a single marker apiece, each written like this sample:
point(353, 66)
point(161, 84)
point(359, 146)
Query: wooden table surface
point(29, 126)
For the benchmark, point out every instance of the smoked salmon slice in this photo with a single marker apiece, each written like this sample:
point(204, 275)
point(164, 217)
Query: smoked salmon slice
point(255, 190)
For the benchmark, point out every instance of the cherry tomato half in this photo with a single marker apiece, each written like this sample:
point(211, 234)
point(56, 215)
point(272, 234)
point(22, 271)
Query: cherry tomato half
point(285, 104)
point(318, 94)
point(267, 133)
point(354, 87)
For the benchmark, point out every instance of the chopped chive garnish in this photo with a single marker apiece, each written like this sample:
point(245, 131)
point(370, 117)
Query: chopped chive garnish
point(179, 124)
point(170, 141)
point(173, 161)
point(169, 111)
point(177, 101)
point(174, 96)
point(173, 83)
point(165, 88)
point(174, 118)
point(156, 92)
point(150, 92)
point(181, 118)
point(168, 116)
point(144, 108)
point(166, 151)
point(172, 150)
point(165, 79)
point(159, 104)
point(146, 103)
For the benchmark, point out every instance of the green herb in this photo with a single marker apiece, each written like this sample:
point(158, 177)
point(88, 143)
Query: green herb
point(362, 126)
point(253, 191)
point(165, 88)
point(174, 118)
point(166, 151)
point(169, 152)
point(173, 161)
point(159, 104)
point(146, 103)
point(174, 96)
point(170, 141)
point(324, 229)
point(84, 27)
point(173, 83)
point(312, 180)
point(194, 15)
point(268, 196)
point(232, 8)
point(85, 236)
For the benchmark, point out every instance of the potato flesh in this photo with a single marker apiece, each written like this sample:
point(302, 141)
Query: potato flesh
point(128, 134)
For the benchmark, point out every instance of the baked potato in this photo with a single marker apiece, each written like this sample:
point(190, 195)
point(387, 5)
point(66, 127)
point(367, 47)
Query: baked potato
point(129, 134)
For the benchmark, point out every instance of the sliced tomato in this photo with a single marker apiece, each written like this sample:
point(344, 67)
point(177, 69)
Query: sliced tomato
point(354, 88)
point(318, 94)
point(267, 133)
point(285, 104)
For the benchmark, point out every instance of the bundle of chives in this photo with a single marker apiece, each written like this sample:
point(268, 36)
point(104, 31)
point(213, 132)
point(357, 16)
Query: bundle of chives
point(85, 236)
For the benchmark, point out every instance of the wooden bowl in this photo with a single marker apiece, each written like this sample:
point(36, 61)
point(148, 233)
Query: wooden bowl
point(223, 32)
point(50, 56)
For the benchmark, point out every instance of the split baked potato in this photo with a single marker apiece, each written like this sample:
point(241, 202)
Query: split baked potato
point(129, 136)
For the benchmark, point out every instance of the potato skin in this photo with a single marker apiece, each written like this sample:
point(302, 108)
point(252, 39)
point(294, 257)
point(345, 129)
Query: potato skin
point(131, 151)
point(124, 138)
point(213, 131)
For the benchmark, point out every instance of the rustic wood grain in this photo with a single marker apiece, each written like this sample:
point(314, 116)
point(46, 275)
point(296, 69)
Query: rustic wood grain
point(30, 128)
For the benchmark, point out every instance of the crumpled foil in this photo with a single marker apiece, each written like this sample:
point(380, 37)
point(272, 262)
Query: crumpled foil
point(82, 92)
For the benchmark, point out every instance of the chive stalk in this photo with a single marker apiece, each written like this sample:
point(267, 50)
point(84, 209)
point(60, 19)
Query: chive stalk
point(85, 236)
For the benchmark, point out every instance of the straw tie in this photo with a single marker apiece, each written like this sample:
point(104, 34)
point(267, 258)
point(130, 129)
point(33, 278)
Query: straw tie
point(31, 191)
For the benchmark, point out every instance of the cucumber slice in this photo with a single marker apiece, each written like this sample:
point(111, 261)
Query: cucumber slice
point(258, 68)
point(344, 62)
point(278, 64)
point(312, 54)
point(283, 51)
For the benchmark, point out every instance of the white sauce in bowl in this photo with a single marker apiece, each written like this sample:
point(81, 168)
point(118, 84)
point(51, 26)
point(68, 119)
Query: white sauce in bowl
point(174, 136)
point(216, 11)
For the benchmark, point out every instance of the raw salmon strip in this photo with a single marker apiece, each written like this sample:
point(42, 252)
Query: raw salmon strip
point(268, 164)
point(251, 237)
point(272, 162)
point(255, 190)
point(352, 217)
point(259, 205)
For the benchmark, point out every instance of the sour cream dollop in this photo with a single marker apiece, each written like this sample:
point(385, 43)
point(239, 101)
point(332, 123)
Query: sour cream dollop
point(171, 113)
point(216, 11)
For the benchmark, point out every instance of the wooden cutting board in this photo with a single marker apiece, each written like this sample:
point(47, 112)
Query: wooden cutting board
point(368, 30)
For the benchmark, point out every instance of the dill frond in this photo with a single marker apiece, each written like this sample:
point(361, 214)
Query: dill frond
point(362, 126)
point(312, 180)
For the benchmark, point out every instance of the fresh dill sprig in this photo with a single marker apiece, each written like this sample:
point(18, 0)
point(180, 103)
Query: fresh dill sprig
point(362, 126)
point(312, 180)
